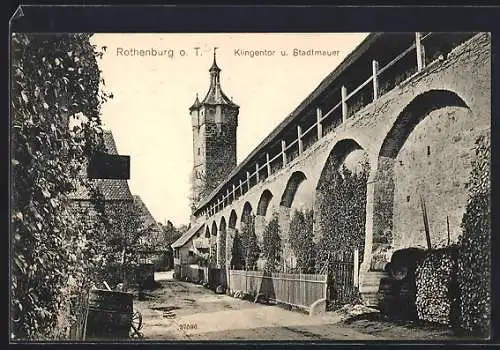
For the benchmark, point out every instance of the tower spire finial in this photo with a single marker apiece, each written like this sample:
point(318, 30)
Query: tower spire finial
point(214, 67)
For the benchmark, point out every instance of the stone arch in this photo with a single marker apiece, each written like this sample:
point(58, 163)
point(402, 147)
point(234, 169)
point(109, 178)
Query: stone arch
point(292, 185)
point(213, 232)
point(262, 211)
point(340, 205)
point(207, 232)
point(338, 154)
point(433, 106)
point(287, 198)
point(246, 212)
point(233, 218)
point(264, 201)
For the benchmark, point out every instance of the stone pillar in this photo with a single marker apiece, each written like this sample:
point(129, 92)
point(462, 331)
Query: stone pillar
point(284, 222)
point(260, 225)
point(378, 235)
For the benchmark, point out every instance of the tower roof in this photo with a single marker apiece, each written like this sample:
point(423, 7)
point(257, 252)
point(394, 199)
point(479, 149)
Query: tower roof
point(196, 104)
point(215, 95)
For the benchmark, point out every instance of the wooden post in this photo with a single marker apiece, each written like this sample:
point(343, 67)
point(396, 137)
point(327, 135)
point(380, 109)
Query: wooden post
point(422, 48)
point(234, 191)
point(319, 126)
point(344, 103)
point(375, 79)
point(356, 267)
point(268, 165)
point(248, 180)
point(299, 139)
point(257, 172)
point(241, 187)
point(283, 151)
point(228, 194)
point(419, 51)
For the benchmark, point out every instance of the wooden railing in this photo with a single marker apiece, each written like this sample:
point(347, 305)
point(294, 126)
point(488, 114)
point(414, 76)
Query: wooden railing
point(300, 290)
point(348, 104)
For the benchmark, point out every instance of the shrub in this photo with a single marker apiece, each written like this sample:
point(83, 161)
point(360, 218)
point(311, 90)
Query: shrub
point(301, 240)
point(474, 261)
point(271, 244)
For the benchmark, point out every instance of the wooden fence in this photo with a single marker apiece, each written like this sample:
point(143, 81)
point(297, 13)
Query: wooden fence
point(294, 289)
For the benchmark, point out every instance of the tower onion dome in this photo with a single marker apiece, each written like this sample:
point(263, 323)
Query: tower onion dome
point(196, 104)
point(215, 96)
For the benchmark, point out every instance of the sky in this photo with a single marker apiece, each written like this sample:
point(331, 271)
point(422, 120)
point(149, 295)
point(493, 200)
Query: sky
point(149, 115)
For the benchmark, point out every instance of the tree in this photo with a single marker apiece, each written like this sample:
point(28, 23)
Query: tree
point(124, 230)
point(54, 76)
point(271, 244)
point(301, 240)
point(251, 249)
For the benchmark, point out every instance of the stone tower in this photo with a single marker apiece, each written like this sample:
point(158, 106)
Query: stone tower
point(214, 121)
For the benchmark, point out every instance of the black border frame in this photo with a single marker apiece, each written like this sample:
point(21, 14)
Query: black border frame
point(192, 18)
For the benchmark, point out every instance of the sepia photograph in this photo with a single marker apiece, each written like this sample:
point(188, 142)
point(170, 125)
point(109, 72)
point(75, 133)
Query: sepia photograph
point(239, 187)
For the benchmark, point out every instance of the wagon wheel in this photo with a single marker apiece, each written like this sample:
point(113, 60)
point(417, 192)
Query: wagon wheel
point(137, 321)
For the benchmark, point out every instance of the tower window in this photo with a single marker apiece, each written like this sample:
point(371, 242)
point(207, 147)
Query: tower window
point(198, 150)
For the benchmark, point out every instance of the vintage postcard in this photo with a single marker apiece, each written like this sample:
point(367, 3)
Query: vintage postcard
point(250, 186)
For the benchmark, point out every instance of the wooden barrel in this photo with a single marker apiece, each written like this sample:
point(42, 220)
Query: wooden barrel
point(109, 315)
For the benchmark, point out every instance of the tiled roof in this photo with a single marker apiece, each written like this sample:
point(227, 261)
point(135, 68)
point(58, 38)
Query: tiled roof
point(196, 104)
point(147, 218)
point(187, 235)
point(111, 189)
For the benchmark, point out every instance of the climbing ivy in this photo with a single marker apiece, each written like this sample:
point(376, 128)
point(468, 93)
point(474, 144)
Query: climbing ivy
point(271, 244)
point(53, 77)
point(474, 258)
point(301, 240)
point(342, 213)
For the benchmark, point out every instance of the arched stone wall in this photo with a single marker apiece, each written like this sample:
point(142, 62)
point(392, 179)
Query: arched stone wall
point(262, 211)
point(414, 162)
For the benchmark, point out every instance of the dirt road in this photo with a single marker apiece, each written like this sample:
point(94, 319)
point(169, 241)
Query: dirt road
point(184, 311)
